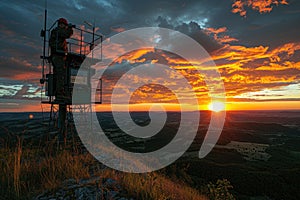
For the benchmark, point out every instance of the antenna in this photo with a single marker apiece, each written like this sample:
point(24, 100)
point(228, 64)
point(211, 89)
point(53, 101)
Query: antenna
point(43, 34)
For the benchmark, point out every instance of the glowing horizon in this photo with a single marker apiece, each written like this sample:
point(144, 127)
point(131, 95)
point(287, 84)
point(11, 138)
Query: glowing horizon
point(230, 106)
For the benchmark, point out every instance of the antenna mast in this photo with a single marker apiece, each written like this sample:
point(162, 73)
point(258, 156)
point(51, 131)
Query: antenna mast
point(43, 33)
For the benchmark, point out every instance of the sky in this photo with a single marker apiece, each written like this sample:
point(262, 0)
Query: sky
point(255, 45)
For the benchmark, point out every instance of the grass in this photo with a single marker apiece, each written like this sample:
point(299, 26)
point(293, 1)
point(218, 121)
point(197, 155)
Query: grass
point(153, 186)
point(17, 167)
point(28, 171)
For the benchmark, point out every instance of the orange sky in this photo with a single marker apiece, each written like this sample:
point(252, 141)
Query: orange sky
point(280, 105)
point(246, 88)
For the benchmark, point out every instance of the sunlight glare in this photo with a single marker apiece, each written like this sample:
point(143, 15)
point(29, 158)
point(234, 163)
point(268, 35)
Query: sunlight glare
point(216, 106)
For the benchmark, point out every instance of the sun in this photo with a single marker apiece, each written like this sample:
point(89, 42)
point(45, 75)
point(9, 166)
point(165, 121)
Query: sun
point(216, 106)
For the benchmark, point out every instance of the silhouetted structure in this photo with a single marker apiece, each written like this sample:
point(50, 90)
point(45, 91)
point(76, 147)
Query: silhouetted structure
point(62, 63)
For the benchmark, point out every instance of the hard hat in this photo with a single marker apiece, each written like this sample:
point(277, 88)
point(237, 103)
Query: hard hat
point(63, 21)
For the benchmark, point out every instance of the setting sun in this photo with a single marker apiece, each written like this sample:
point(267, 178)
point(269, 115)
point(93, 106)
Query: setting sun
point(216, 106)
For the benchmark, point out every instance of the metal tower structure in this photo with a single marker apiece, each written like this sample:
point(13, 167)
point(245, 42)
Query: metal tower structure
point(79, 46)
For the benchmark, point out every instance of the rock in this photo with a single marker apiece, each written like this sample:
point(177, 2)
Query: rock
point(85, 189)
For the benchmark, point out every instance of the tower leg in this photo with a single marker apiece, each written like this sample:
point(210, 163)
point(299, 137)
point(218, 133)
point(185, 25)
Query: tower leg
point(62, 122)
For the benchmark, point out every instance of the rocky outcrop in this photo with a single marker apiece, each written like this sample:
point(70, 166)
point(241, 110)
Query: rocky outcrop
point(94, 188)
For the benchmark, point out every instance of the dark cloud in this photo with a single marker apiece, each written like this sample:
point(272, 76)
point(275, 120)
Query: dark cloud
point(18, 67)
point(193, 30)
point(21, 22)
point(269, 29)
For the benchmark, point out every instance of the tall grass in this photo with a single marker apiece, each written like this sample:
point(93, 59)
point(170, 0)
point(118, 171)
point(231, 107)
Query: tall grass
point(28, 172)
point(153, 186)
point(17, 167)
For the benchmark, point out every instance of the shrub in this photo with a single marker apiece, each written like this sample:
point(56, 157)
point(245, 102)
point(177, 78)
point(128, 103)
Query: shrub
point(220, 190)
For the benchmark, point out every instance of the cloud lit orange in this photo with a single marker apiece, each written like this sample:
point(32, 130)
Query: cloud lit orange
point(219, 36)
point(243, 69)
point(263, 6)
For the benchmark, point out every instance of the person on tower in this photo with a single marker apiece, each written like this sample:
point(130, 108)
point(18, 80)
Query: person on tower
point(59, 51)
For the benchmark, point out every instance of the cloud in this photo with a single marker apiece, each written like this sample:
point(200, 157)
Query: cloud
point(223, 39)
point(290, 92)
point(244, 69)
point(262, 6)
point(251, 69)
point(21, 105)
point(117, 29)
point(194, 30)
point(18, 69)
point(11, 90)
point(245, 54)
